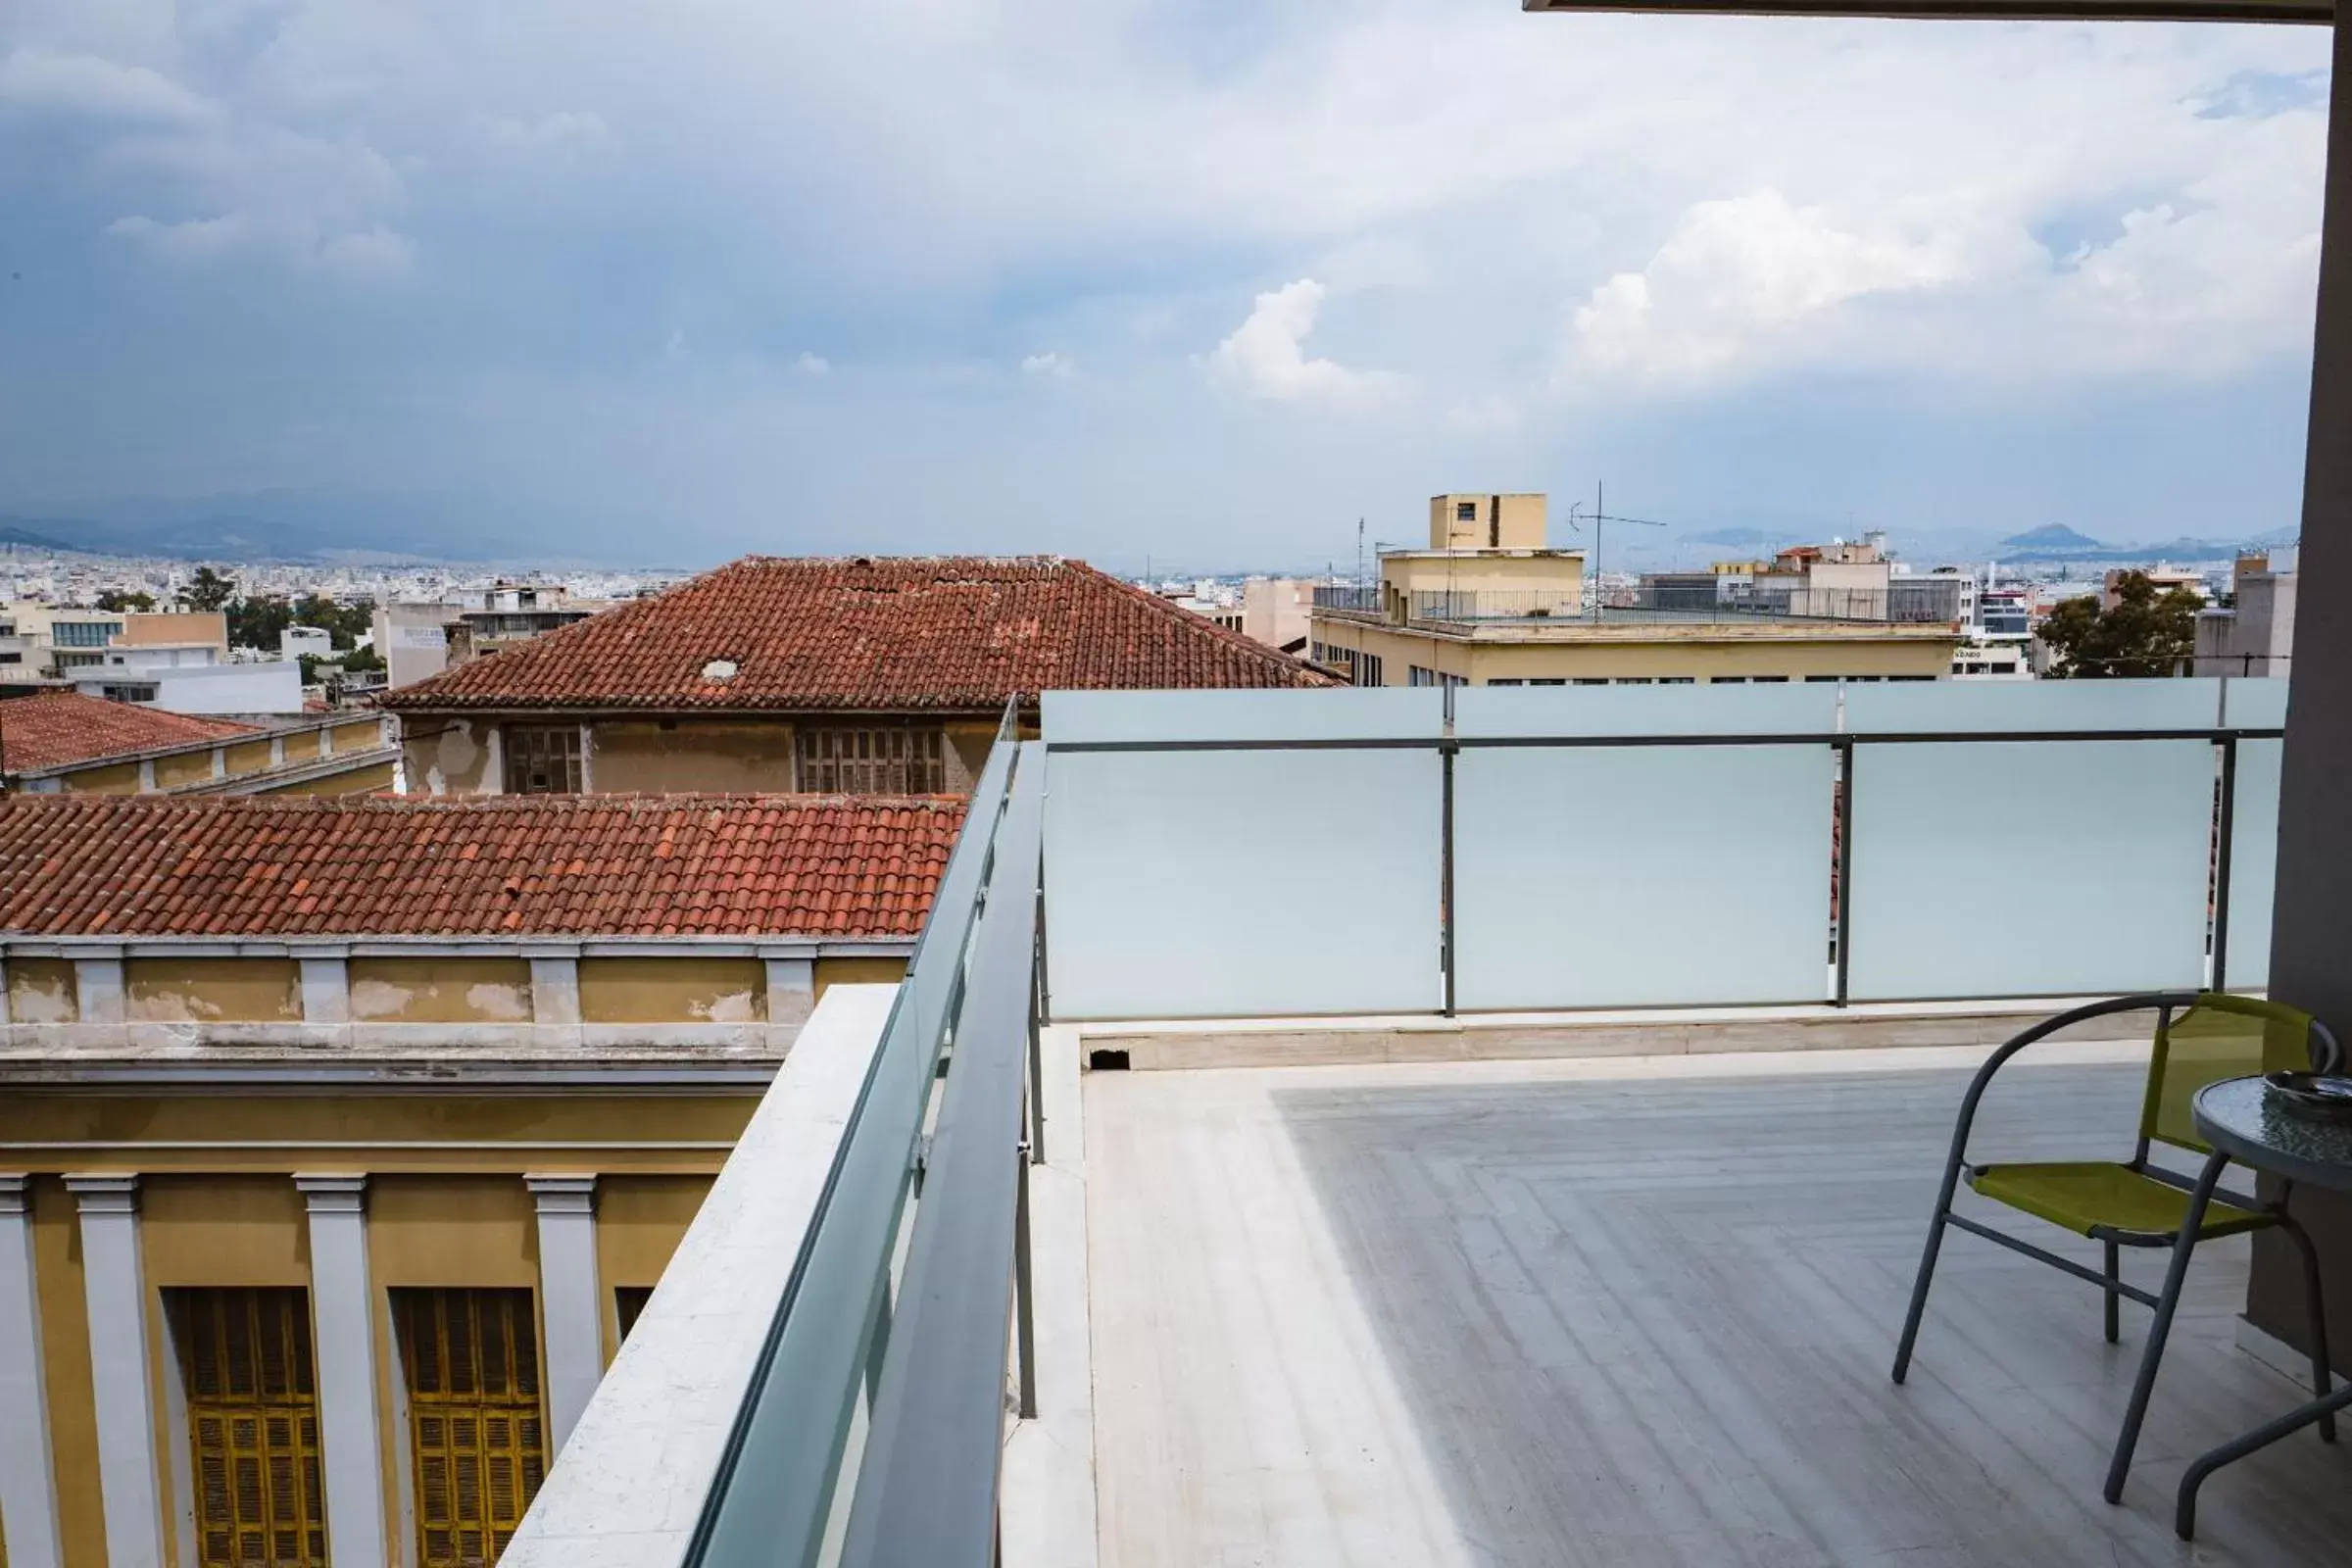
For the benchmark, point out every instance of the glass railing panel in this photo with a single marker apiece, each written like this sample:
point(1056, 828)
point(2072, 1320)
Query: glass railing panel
point(1092, 719)
point(2253, 859)
point(1243, 883)
point(2256, 703)
point(776, 1492)
point(1600, 876)
point(1519, 711)
point(2014, 869)
point(1947, 706)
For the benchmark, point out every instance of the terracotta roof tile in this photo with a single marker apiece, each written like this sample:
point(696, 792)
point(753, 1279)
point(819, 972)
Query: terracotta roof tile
point(54, 728)
point(818, 866)
point(883, 633)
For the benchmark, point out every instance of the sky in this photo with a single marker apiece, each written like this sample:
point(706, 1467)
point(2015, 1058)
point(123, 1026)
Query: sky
point(1198, 281)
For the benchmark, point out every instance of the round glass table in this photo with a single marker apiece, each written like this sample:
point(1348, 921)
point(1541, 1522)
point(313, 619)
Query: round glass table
point(2242, 1120)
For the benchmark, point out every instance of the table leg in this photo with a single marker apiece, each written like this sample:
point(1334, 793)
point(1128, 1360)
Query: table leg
point(2185, 1514)
point(2162, 1325)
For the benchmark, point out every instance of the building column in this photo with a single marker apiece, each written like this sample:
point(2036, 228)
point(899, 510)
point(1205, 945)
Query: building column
point(98, 990)
point(2315, 833)
point(325, 989)
point(122, 1380)
point(570, 1301)
point(28, 1467)
point(556, 991)
point(343, 1337)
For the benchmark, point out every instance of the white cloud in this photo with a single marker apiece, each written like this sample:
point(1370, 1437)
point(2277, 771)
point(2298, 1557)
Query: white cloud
point(1058, 366)
point(563, 129)
point(376, 254)
point(1738, 279)
point(44, 83)
point(1267, 356)
point(813, 364)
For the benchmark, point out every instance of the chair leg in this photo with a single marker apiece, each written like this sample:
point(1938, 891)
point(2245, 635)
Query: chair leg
point(1919, 1287)
point(2115, 1327)
point(2314, 1308)
point(2199, 1200)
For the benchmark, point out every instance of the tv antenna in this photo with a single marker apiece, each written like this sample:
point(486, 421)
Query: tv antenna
point(1577, 516)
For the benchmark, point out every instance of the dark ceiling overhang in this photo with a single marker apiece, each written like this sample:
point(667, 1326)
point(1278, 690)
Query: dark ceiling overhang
point(2321, 12)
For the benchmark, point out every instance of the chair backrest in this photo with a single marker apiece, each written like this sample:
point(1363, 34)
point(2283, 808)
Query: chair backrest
point(2219, 1037)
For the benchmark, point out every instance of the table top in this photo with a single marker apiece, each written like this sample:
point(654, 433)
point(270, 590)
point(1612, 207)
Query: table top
point(2243, 1119)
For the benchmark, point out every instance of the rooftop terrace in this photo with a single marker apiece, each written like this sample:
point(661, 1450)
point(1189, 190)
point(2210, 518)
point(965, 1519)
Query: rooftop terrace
point(956, 1300)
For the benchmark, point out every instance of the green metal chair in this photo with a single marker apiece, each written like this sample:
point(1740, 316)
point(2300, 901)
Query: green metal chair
point(2201, 1038)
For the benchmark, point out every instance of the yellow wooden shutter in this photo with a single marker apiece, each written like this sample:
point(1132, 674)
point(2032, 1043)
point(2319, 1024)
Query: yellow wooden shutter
point(475, 1424)
point(253, 1424)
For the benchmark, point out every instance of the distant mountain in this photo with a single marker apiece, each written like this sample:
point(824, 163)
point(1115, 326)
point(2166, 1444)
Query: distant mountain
point(1739, 538)
point(332, 526)
point(15, 532)
point(2055, 539)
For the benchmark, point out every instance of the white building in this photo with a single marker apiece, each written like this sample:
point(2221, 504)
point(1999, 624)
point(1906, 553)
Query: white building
point(296, 641)
point(197, 685)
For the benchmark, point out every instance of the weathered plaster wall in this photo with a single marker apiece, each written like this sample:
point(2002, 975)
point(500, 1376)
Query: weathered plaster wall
point(672, 991)
point(246, 756)
point(359, 781)
point(639, 1223)
point(213, 990)
point(715, 755)
point(175, 768)
point(858, 972)
point(66, 1365)
point(121, 779)
point(41, 991)
point(440, 991)
point(447, 755)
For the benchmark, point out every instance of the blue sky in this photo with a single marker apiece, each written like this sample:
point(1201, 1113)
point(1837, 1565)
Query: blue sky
point(1202, 282)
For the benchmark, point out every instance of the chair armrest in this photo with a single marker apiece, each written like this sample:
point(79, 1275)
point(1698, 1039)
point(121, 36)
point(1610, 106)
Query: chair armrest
point(2165, 1002)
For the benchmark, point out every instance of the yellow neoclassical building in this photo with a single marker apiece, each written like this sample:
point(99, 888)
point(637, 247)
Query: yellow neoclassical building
point(1489, 605)
point(340, 1140)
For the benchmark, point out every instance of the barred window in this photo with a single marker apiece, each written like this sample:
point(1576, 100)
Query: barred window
point(872, 760)
point(543, 758)
point(253, 1425)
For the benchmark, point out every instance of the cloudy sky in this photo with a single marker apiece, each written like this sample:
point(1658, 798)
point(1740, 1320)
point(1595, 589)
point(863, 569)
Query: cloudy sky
point(1201, 280)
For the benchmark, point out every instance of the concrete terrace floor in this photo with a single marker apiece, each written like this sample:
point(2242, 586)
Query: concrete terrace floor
point(1639, 1312)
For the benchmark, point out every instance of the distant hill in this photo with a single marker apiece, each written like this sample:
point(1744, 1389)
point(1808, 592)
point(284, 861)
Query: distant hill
point(1738, 538)
point(332, 526)
point(2054, 538)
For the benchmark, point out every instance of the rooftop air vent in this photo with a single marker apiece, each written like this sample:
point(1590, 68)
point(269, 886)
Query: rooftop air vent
point(719, 669)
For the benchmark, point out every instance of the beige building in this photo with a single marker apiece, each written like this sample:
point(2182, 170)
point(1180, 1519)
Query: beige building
point(341, 1142)
point(65, 743)
point(861, 676)
point(1513, 615)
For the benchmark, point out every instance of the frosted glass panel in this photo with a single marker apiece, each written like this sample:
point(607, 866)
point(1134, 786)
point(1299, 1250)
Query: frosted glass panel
point(2253, 861)
point(1608, 877)
point(1236, 884)
point(1978, 707)
point(2019, 869)
point(1802, 708)
point(1337, 713)
point(2258, 702)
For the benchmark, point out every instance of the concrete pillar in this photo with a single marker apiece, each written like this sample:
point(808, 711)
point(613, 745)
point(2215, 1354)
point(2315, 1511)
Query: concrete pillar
point(343, 1334)
point(571, 1300)
point(555, 990)
point(793, 979)
point(28, 1467)
point(98, 990)
point(129, 1486)
point(326, 990)
point(2315, 831)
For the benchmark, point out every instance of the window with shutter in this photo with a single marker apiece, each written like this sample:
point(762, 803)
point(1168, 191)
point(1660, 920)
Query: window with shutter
point(253, 1423)
point(890, 760)
point(476, 1430)
point(542, 758)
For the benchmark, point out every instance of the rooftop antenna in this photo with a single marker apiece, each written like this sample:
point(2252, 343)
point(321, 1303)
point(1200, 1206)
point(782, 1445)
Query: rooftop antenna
point(1598, 515)
point(1359, 553)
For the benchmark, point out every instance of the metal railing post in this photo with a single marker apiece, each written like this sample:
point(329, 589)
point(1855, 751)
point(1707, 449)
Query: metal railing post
point(2225, 831)
point(1843, 881)
point(1446, 943)
point(1024, 1289)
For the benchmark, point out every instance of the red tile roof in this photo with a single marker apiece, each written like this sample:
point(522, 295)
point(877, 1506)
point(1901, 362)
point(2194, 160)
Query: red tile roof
point(539, 864)
point(870, 634)
point(54, 728)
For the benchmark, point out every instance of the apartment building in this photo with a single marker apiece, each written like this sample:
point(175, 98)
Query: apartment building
point(867, 676)
point(1514, 613)
point(2255, 633)
point(342, 1141)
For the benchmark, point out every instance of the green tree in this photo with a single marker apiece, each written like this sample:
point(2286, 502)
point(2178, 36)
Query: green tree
point(2146, 633)
point(127, 603)
point(258, 622)
point(344, 623)
point(208, 590)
